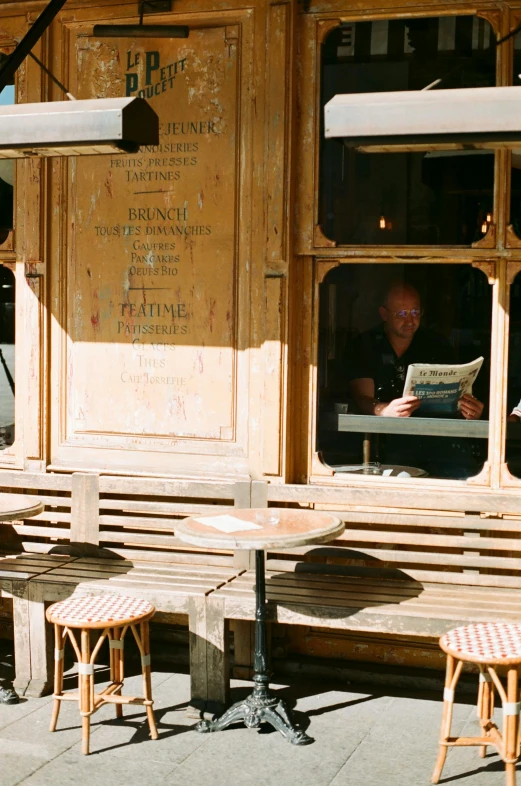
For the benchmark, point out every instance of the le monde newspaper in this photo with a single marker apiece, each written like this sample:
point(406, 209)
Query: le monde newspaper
point(439, 387)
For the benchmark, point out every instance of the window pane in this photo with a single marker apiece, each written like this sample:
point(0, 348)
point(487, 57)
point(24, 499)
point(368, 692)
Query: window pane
point(515, 199)
point(375, 320)
point(7, 169)
point(513, 443)
point(435, 198)
point(7, 317)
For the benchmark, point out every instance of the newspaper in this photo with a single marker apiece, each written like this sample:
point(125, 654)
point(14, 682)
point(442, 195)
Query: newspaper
point(439, 387)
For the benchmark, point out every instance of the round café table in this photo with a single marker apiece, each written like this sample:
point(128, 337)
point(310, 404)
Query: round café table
point(19, 506)
point(258, 530)
point(12, 508)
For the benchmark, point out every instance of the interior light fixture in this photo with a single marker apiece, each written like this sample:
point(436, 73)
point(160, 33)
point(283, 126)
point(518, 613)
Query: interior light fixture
point(140, 30)
point(74, 128)
point(382, 222)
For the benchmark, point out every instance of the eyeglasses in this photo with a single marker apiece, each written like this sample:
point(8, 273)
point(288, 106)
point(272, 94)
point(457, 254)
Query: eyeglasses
point(404, 312)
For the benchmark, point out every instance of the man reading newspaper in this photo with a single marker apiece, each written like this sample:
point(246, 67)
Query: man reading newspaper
point(376, 366)
point(378, 359)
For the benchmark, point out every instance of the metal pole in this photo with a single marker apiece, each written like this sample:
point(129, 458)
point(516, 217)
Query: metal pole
point(261, 677)
point(7, 372)
point(33, 35)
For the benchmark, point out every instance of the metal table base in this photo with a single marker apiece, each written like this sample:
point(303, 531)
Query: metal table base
point(260, 706)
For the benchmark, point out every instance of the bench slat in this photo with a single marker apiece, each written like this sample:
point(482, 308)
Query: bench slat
point(432, 540)
point(433, 520)
point(164, 508)
point(153, 487)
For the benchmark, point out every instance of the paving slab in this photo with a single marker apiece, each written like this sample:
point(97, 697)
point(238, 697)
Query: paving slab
point(262, 757)
point(464, 767)
point(363, 737)
point(401, 746)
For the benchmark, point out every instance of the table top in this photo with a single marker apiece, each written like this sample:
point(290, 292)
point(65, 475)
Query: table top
point(295, 527)
point(19, 506)
point(427, 427)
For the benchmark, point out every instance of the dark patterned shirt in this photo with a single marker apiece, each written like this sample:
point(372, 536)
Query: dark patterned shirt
point(372, 356)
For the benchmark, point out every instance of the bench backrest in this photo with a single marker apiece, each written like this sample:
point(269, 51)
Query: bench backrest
point(128, 517)
point(438, 546)
point(135, 518)
point(43, 532)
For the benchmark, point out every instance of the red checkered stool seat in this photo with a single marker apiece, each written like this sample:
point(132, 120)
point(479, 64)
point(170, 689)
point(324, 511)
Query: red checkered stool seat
point(112, 615)
point(484, 642)
point(98, 611)
point(488, 644)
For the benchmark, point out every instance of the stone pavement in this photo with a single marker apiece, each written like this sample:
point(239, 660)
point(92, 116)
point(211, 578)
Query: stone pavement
point(362, 738)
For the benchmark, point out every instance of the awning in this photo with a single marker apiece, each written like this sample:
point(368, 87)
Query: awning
point(417, 120)
point(74, 128)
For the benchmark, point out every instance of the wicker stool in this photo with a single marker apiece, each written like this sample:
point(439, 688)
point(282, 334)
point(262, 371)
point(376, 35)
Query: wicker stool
point(112, 615)
point(489, 644)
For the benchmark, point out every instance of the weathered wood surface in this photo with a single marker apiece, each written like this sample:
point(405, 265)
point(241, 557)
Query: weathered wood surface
point(349, 602)
point(269, 332)
point(375, 493)
point(412, 573)
point(405, 607)
point(173, 589)
point(18, 506)
point(133, 554)
point(15, 573)
point(289, 528)
point(85, 508)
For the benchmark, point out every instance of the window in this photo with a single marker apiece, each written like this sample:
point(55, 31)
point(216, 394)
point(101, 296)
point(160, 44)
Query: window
point(449, 318)
point(515, 196)
point(7, 338)
point(513, 441)
point(7, 169)
point(437, 198)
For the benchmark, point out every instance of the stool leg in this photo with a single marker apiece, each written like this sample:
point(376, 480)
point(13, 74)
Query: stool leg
point(116, 667)
point(511, 725)
point(485, 703)
point(147, 680)
point(85, 691)
point(58, 674)
point(451, 678)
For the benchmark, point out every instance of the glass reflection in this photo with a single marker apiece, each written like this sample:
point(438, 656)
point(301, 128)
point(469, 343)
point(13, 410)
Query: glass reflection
point(513, 442)
point(434, 198)
point(7, 170)
point(515, 196)
point(7, 356)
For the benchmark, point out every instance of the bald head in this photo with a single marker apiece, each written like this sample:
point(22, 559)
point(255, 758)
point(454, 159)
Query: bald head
point(398, 290)
point(401, 311)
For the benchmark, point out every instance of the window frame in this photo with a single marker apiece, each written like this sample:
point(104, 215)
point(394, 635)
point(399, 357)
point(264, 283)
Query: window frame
point(498, 255)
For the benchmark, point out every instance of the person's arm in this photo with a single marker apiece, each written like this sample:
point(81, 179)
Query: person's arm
point(363, 393)
point(515, 415)
point(470, 407)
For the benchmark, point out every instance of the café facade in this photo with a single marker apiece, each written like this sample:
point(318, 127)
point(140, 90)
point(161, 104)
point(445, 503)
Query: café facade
point(186, 312)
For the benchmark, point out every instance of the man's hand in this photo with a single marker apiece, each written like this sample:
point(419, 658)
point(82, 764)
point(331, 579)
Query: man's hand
point(470, 407)
point(399, 407)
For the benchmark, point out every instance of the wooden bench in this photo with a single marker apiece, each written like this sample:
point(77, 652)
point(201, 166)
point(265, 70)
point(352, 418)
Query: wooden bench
point(25, 551)
point(15, 573)
point(404, 572)
point(119, 537)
